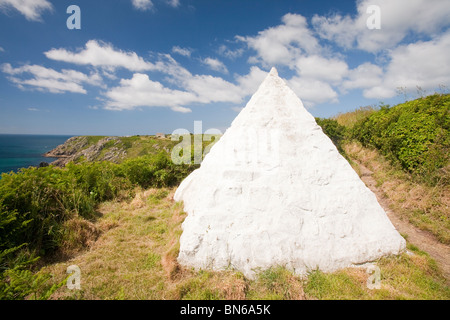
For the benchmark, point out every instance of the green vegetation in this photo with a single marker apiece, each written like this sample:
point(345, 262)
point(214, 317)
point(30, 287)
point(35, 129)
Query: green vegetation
point(123, 210)
point(416, 134)
point(41, 199)
point(82, 149)
point(335, 131)
point(136, 146)
point(407, 147)
point(411, 275)
point(51, 209)
point(94, 139)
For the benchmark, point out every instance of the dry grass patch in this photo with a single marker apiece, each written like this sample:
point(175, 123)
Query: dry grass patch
point(277, 283)
point(78, 234)
point(349, 119)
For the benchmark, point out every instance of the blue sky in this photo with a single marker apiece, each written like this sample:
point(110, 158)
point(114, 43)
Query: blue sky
point(141, 66)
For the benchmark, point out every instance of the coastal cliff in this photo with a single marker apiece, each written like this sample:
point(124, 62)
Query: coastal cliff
point(103, 148)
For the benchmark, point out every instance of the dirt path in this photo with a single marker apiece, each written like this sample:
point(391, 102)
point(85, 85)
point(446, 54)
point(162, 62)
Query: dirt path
point(425, 241)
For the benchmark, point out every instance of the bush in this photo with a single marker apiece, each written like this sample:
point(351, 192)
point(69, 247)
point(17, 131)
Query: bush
point(416, 134)
point(35, 202)
point(17, 281)
point(155, 171)
point(336, 132)
point(38, 205)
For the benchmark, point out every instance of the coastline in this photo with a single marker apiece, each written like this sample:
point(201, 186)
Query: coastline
point(19, 151)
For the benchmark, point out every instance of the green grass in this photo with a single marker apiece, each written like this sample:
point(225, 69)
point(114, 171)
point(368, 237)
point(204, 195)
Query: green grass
point(402, 277)
point(135, 258)
point(276, 283)
point(339, 285)
point(94, 139)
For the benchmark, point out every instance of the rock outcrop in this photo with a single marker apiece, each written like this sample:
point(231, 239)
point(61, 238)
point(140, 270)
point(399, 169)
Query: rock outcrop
point(77, 148)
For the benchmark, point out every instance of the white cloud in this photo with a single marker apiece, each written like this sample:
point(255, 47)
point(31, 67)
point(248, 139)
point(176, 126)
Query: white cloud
point(215, 64)
point(105, 56)
point(169, 66)
point(140, 91)
point(31, 9)
point(365, 76)
point(294, 45)
point(320, 71)
point(33, 109)
point(182, 51)
point(51, 85)
point(46, 79)
point(425, 64)
point(146, 5)
point(320, 68)
point(2, 50)
point(173, 3)
point(210, 89)
point(312, 92)
point(181, 109)
point(250, 82)
point(398, 19)
point(284, 43)
point(336, 28)
point(143, 5)
point(100, 54)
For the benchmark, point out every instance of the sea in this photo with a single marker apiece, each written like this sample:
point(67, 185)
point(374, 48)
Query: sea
point(22, 150)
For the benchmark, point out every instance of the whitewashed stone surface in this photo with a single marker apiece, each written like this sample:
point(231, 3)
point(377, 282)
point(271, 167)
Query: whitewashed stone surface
point(274, 190)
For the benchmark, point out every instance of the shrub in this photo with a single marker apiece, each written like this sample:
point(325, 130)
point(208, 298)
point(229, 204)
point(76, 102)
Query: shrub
point(36, 202)
point(155, 171)
point(336, 132)
point(44, 209)
point(415, 134)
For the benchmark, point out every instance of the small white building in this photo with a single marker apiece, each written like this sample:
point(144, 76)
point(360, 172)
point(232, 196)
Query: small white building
point(160, 135)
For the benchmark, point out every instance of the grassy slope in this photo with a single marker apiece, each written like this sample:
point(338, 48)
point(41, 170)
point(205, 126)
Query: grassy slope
point(134, 146)
point(135, 258)
point(118, 149)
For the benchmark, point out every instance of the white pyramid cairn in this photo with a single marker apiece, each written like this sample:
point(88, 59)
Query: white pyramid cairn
point(274, 191)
